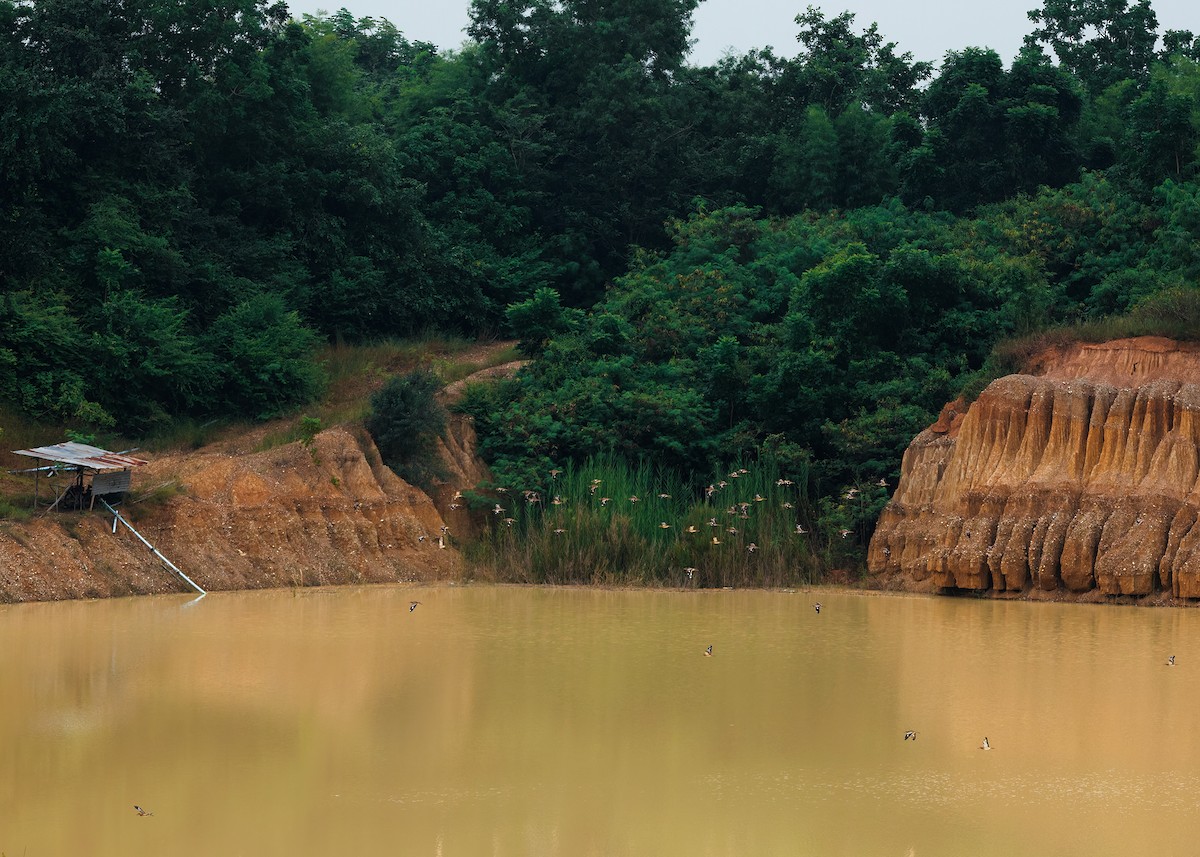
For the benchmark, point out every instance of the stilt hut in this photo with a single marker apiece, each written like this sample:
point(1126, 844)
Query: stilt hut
point(94, 472)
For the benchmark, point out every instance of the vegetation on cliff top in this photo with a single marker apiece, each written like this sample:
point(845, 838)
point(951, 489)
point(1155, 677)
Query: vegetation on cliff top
point(792, 261)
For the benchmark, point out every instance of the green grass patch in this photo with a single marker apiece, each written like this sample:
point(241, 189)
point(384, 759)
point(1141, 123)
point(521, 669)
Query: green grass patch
point(1172, 313)
point(154, 496)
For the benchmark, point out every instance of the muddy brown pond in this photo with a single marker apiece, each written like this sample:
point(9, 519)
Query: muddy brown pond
point(528, 722)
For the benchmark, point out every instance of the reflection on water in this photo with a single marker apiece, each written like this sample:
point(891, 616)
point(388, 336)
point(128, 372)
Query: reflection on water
point(515, 721)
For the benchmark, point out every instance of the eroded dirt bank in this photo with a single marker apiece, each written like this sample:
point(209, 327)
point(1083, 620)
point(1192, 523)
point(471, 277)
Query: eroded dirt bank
point(1080, 479)
point(329, 513)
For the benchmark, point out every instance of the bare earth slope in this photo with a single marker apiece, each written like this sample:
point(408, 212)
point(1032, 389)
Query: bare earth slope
point(289, 516)
point(331, 513)
point(1081, 478)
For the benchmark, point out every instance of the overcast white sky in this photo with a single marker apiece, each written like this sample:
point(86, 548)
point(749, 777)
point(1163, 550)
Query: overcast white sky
point(928, 28)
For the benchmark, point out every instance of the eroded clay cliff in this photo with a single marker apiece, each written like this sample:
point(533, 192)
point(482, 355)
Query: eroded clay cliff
point(1080, 477)
point(295, 515)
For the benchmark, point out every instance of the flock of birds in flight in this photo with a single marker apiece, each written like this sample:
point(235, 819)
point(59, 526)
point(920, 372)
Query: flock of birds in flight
point(739, 510)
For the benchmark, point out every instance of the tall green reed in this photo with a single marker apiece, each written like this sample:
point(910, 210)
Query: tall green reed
point(608, 522)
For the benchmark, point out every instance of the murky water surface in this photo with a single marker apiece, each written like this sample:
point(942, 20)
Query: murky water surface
point(528, 722)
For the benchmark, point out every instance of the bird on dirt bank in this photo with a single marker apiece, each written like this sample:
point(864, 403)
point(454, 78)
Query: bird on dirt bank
point(910, 734)
point(141, 811)
point(413, 606)
point(708, 652)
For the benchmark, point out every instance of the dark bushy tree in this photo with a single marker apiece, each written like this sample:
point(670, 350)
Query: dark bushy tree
point(406, 420)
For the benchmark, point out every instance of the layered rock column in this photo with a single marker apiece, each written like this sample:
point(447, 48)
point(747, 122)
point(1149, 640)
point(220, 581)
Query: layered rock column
point(1080, 477)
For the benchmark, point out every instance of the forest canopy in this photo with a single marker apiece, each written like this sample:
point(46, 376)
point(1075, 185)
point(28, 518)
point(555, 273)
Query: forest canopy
point(802, 256)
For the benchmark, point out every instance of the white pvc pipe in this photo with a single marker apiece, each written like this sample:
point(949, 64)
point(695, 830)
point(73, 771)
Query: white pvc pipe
point(153, 549)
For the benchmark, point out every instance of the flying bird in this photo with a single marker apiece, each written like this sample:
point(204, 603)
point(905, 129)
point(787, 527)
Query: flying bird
point(752, 547)
point(910, 734)
point(817, 606)
point(800, 530)
point(664, 526)
point(693, 529)
point(845, 533)
point(413, 606)
point(689, 572)
point(141, 811)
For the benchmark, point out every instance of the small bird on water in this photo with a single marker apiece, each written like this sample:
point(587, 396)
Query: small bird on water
point(413, 606)
point(910, 734)
point(708, 652)
point(141, 811)
point(817, 606)
point(1171, 661)
point(985, 745)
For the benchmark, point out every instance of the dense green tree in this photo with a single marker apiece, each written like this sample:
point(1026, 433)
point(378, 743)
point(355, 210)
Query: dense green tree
point(1100, 42)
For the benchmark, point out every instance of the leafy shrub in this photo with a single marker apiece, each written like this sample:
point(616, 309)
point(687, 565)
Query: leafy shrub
point(405, 420)
point(266, 357)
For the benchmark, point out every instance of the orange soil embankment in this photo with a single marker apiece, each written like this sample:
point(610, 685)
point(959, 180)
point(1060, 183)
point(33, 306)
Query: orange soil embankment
point(1080, 479)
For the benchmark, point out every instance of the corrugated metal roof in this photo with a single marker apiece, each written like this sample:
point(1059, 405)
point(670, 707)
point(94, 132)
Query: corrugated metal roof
point(82, 455)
